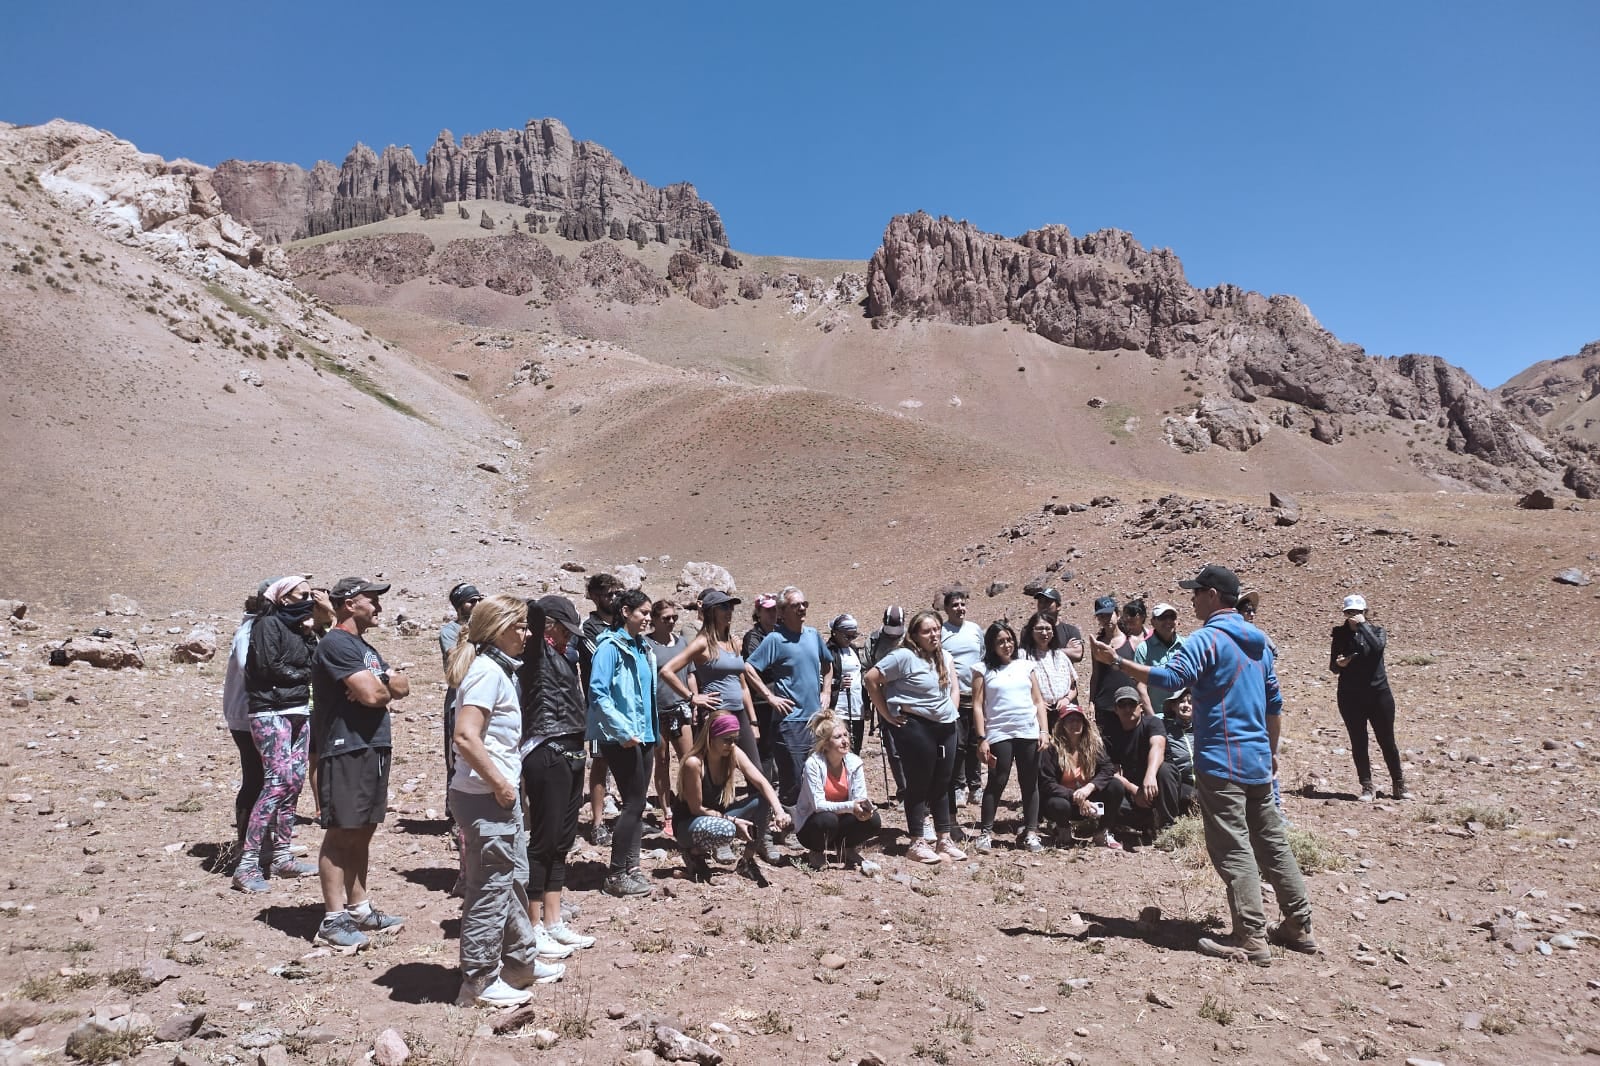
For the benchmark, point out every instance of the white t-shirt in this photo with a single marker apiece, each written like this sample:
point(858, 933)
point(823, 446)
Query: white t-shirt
point(1008, 711)
point(847, 668)
point(486, 685)
point(965, 645)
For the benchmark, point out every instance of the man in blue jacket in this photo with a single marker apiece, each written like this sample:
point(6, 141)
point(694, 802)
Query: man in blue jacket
point(1227, 666)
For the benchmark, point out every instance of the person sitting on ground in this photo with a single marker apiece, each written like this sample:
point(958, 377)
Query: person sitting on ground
point(277, 678)
point(1008, 718)
point(1177, 717)
point(706, 805)
point(499, 946)
point(1052, 664)
point(834, 812)
point(1076, 779)
point(1137, 746)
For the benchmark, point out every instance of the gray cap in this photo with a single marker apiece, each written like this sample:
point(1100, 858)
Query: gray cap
point(1127, 692)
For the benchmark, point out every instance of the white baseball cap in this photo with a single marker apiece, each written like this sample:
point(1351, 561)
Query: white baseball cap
point(1355, 602)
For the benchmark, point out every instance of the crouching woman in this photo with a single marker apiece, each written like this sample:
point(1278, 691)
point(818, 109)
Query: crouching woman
point(706, 805)
point(834, 812)
point(498, 942)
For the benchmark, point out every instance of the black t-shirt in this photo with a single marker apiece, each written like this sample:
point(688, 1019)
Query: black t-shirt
point(338, 723)
point(1066, 632)
point(1105, 680)
point(1130, 748)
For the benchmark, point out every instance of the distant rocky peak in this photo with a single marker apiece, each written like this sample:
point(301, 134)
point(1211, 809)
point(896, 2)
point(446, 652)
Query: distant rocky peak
point(540, 167)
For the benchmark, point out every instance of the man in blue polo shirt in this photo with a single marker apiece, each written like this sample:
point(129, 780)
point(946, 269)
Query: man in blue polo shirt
point(1228, 667)
point(796, 666)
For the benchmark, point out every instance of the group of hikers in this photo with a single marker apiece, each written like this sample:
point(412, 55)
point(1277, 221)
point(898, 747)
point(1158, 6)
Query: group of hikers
point(1111, 738)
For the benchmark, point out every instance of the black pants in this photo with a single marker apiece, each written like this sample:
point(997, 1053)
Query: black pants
point(969, 768)
point(887, 736)
point(1166, 808)
point(766, 747)
point(631, 769)
point(1025, 753)
point(825, 831)
point(1063, 811)
point(858, 731)
point(553, 784)
point(251, 779)
point(928, 752)
point(1374, 707)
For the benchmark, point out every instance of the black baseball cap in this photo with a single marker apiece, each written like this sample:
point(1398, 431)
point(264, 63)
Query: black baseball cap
point(710, 598)
point(1213, 576)
point(560, 609)
point(355, 586)
point(1048, 594)
point(1105, 605)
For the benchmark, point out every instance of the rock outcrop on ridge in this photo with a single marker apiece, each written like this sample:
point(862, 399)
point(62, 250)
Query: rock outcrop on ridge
point(540, 167)
point(1104, 291)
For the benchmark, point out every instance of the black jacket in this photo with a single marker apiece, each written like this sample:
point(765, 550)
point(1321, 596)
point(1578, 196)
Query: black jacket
point(553, 702)
point(1366, 642)
point(277, 670)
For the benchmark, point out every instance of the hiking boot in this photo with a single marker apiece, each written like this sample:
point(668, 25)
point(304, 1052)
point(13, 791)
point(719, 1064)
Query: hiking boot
point(922, 851)
point(561, 933)
point(1400, 791)
point(294, 868)
point(497, 993)
point(766, 850)
point(521, 975)
point(1031, 842)
point(816, 860)
point(947, 848)
point(1236, 947)
point(340, 933)
point(547, 946)
point(601, 835)
point(1367, 793)
point(724, 855)
point(250, 879)
point(851, 858)
point(623, 886)
point(985, 840)
point(375, 921)
point(1293, 936)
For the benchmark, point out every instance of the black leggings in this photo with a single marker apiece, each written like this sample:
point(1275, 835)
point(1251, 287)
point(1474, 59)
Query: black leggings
point(1375, 707)
point(631, 769)
point(251, 780)
point(825, 830)
point(1026, 755)
point(928, 753)
point(554, 787)
point(1063, 811)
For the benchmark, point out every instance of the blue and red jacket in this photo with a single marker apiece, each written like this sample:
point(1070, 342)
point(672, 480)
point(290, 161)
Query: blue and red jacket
point(1227, 663)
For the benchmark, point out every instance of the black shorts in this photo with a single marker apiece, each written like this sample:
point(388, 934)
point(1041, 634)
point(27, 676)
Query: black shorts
point(675, 719)
point(353, 789)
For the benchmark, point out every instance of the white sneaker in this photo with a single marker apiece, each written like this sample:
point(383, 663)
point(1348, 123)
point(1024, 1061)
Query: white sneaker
point(985, 840)
point(548, 946)
point(561, 933)
point(518, 975)
point(961, 797)
point(610, 806)
point(495, 994)
point(927, 831)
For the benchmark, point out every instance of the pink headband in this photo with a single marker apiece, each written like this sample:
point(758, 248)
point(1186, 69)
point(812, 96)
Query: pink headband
point(282, 587)
point(724, 724)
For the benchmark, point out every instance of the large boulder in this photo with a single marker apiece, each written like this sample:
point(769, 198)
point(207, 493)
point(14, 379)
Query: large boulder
point(200, 646)
point(698, 576)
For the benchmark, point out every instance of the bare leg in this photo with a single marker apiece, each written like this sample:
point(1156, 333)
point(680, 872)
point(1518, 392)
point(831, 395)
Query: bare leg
point(342, 866)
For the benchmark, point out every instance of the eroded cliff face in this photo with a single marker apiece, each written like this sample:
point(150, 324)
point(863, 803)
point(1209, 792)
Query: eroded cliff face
point(1104, 291)
point(539, 167)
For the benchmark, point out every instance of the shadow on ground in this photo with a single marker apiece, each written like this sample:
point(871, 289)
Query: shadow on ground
point(420, 982)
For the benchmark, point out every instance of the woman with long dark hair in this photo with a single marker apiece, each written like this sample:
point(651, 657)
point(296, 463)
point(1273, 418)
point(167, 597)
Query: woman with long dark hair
point(1365, 698)
point(1058, 678)
point(914, 690)
point(1008, 718)
point(622, 719)
point(499, 946)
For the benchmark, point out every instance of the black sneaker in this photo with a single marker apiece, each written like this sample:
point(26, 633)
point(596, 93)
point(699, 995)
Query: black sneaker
point(375, 921)
point(601, 836)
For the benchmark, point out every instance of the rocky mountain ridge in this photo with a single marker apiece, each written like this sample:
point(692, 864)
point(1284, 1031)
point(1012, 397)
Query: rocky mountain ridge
point(540, 167)
point(1104, 291)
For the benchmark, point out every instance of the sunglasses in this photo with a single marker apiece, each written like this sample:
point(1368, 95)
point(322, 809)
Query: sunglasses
point(669, 618)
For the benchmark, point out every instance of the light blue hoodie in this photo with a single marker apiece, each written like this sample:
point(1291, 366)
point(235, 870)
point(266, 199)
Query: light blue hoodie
point(1228, 663)
point(622, 690)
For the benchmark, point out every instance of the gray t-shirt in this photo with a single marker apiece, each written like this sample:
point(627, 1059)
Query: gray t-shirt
point(911, 686)
point(965, 645)
point(665, 696)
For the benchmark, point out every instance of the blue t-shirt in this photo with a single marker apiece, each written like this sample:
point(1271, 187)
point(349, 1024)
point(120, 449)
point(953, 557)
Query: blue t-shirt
point(791, 665)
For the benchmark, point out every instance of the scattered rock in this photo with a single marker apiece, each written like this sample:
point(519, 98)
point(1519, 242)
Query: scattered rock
point(1300, 556)
point(119, 604)
point(260, 1038)
point(276, 1055)
point(1286, 506)
point(997, 587)
point(1572, 576)
point(1159, 1000)
point(1312, 1049)
point(831, 961)
point(697, 576)
point(490, 467)
point(1537, 500)
point(1390, 897)
point(389, 1049)
point(544, 1039)
point(180, 1026)
point(676, 1047)
point(1095, 402)
point(104, 654)
point(200, 646)
point(13, 608)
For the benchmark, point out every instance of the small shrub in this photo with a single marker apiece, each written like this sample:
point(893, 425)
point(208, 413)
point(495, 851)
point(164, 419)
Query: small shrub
point(772, 1023)
point(191, 805)
point(1489, 817)
point(1215, 1010)
point(105, 1046)
point(129, 980)
point(1312, 853)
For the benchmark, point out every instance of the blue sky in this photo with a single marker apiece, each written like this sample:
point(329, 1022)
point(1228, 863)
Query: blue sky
point(1423, 174)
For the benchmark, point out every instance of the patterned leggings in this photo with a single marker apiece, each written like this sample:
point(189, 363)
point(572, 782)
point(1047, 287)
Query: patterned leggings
point(283, 741)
